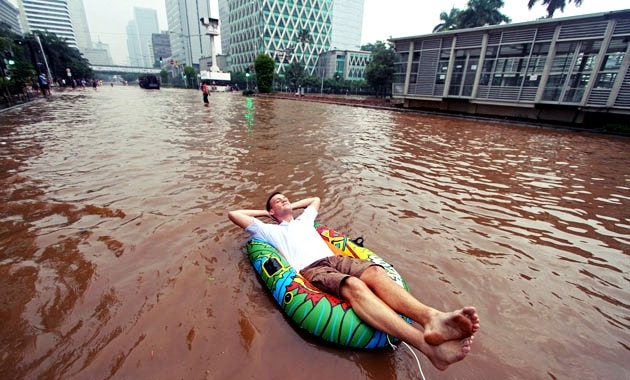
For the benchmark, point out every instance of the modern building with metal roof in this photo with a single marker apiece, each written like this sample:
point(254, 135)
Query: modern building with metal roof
point(573, 69)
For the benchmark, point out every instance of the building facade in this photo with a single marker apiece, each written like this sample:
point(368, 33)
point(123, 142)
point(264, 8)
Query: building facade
point(47, 16)
point(347, 64)
point(252, 27)
point(188, 40)
point(80, 24)
point(347, 24)
point(565, 69)
point(161, 43)
point(10, 17)
point(99, 54)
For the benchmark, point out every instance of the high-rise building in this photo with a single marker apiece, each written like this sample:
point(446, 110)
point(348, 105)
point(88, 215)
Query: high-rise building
point(10, 17)
point(278, 28)
point(80, 24)
point(289, 31)
point(161, 43)
point(51, 15)
point(99, 55)
point(189, 42)
point(139, 32)
point(347, 24)
point(133, 45)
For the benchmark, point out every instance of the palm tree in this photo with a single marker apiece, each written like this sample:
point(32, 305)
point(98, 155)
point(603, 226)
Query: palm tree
point(449, 20)
point(482, 12)
point(304, 37)
point(552, 5)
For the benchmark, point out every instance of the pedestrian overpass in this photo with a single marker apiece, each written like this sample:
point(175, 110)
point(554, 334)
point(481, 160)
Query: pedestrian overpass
point(119, 70)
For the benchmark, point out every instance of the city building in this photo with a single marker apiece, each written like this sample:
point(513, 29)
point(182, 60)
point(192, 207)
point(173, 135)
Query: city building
point(139, 33)
point(161, 43)
point(98, 55)
point(572, 69)
point(10, 17)
point(188, 39)
point(347, 24)
point(80, 24)
point(346, 64)
point(51, 16)
point(249, 28)
point(133, 45)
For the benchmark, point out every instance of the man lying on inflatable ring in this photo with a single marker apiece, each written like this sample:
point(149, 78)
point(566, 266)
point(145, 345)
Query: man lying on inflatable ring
point(443, 337)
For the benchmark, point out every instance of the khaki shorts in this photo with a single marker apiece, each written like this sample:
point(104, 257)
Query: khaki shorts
point(328, 274)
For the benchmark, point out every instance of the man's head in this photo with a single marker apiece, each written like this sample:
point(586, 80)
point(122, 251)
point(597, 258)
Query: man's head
point(268, 204)
point(279, 207)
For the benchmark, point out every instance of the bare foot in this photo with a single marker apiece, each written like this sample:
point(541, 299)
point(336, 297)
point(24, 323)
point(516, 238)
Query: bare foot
point(447, 353)
point(455, 325)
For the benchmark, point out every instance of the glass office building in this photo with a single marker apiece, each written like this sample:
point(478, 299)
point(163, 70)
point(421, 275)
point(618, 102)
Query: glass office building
point(565, 69)
point(252, 27)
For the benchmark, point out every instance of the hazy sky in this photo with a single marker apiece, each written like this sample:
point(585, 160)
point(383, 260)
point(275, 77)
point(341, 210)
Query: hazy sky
point(382, 19)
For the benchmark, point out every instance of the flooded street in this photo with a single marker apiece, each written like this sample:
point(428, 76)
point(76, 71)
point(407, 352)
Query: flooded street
point(118, 260)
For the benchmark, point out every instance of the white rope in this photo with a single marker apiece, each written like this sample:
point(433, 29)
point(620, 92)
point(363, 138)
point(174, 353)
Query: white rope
point(412, 352)
point(417, 360)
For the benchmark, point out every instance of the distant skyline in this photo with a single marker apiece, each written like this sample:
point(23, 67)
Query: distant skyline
point(107, 20)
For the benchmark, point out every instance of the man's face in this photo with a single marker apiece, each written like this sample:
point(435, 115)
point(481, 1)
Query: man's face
point(280, 207)
point(278, 201)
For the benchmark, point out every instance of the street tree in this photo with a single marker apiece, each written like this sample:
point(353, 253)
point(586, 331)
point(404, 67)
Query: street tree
point(477, 13)
point(264, 67)
point(60, 56)
point(379, 72)
point(294, 74)
point(553, 5)
point(449, 20)
point(190, 76)
point(480, 13)
point(304, 38)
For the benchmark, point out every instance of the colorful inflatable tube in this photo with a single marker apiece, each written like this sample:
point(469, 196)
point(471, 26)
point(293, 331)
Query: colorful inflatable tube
point(321, 314)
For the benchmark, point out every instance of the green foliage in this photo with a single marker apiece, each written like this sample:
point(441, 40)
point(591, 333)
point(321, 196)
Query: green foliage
point(264, 67)
point(553, 5)
point(482, 12)
point(61, 56)
point(164, 77)
point(367, 47)
point(294, 74)
point(191, 76)
point(478, 13)
point(449, 20)
point(379, 73)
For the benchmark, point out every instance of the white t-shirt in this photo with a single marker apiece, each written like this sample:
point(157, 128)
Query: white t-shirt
point(297, 241)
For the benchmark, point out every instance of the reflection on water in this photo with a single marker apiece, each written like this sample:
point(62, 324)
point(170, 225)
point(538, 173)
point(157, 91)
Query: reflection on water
point(118, 259)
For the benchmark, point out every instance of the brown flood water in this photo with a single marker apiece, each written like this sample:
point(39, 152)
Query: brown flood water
point(118, 261)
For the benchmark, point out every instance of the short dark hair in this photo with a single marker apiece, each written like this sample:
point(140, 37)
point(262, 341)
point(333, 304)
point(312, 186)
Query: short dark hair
point(268, 204)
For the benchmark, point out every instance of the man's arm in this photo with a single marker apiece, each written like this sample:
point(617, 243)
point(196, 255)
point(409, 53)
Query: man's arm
point(304, 203)
point(243, 218)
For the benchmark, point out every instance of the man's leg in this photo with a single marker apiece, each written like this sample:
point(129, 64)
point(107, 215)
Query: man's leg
point(372, 310)
point(438, 326)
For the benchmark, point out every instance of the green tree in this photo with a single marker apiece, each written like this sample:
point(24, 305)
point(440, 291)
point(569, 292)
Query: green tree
point(477, 13)
point(480, 13)
point(294, 74)
point(163, 77)
point(304, 38)
point(367, 47)
point(264, 67)
point(61, 56)
point(449, 20)
point(190, 77)
point(553, 5)
point(379, 73)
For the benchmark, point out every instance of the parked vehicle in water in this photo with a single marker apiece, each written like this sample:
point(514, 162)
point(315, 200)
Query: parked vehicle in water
point(150, 82)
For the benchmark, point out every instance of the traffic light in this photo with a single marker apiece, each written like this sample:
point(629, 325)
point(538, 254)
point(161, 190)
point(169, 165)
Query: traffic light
point(247, 72)
point(160, 60)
